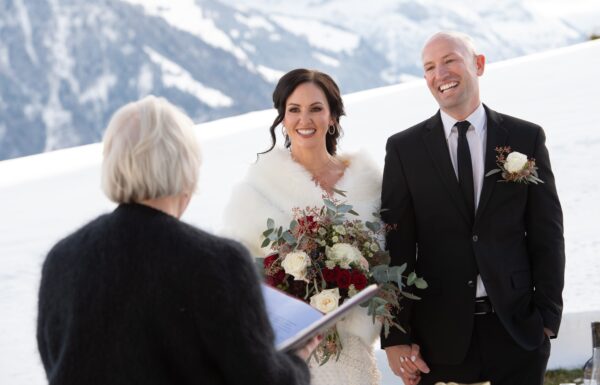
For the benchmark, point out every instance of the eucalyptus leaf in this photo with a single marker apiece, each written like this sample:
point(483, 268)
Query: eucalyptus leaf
point(409, 295)
point(267, 232)
point(420, 283)
point(402, 268)
point(373, 226)
point(353, 212)
point(380, 273)
point(412, 277)
point(344, 208)
point(494, 171)
point(279, 232)
point(339, 192)
point(270, 223)
point(289, 238)
point(293, 224)
point(265, 243)
point(330, 205)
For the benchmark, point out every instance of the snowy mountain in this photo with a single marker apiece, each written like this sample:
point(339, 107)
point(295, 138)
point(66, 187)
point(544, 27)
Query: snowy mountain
point(67, 65)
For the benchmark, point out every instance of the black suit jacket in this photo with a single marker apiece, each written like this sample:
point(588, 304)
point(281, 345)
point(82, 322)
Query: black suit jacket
point(515, 240)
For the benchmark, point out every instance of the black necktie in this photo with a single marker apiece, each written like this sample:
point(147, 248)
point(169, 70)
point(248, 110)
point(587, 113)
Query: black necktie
point(465, 167)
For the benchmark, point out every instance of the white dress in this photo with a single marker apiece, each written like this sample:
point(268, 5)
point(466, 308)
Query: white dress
point(275, 185)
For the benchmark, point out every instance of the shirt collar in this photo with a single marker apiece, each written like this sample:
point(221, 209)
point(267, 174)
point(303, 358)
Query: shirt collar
point(478, 119)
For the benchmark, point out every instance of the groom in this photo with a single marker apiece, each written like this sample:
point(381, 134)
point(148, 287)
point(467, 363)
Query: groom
point(491, 250)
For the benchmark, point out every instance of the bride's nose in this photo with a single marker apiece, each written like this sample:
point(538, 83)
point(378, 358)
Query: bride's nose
point(304, 118)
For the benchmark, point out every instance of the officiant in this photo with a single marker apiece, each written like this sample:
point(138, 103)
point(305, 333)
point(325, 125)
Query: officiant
point(139, 297)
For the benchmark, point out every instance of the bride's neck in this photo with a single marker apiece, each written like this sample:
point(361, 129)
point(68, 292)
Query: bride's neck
point(314, 161)
point(326, 169)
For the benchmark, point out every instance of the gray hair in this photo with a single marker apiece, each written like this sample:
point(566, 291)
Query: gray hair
point(150, 151)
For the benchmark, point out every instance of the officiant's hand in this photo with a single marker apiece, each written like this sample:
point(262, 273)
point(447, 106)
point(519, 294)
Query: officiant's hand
point(406, 362)
point(307, 350)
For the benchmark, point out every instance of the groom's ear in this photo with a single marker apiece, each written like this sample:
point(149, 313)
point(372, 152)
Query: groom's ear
point(480, 64)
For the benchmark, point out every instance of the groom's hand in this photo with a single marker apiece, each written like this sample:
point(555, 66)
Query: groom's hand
point(406, 362)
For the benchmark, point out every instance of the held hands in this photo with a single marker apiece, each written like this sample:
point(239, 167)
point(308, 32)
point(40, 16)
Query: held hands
point(307, 350)
point(406, 362)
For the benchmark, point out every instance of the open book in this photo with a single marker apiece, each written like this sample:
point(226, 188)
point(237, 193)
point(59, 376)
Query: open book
point(295, 322)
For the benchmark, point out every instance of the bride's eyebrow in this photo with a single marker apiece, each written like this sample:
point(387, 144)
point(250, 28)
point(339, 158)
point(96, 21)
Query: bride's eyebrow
point(298, 105)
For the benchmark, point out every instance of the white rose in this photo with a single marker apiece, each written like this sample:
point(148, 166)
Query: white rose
point(326, 301)
point(344, 254)
point(515, 162)
point(295, 263)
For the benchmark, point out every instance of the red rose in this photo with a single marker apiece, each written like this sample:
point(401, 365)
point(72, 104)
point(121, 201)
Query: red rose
point(343, 279)
point(275, 277)
point(308, 223)
point(297, 288)
point(269, 259)
point(330, 275)
point(359, 280)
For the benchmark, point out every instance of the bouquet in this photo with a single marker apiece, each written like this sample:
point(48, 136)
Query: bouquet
point(324, 258)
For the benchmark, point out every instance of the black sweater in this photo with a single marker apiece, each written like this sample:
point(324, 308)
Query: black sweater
point(139, 297)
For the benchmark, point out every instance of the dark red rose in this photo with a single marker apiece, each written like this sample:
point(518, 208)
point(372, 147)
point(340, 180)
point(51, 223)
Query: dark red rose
point(298, 288)
point(308, 223)
point(330, 275)
point(275, 277)
point(359, 280)
point(343, 279)
point(269, 259)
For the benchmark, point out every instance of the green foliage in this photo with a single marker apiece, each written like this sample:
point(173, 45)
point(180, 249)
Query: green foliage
point(563, 376)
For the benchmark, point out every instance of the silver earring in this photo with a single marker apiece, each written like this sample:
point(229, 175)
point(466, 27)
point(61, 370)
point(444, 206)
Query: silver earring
point(332, 129)
point(283, 131)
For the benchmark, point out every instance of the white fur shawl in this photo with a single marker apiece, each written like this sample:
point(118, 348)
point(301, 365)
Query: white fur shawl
point(276, 184)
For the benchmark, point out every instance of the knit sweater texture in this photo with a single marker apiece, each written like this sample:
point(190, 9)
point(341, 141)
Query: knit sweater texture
point(138, 297)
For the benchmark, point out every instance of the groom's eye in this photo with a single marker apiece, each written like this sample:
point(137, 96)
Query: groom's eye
point(316, 109)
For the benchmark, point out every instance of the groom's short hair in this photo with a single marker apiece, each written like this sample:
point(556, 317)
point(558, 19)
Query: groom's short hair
point(465, 40)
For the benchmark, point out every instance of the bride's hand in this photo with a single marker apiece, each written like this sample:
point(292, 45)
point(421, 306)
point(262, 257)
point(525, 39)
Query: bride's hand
point(406, 362)
point(307, 350)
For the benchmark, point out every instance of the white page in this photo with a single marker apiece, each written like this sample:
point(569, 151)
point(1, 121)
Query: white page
point(295, 321)
point(288, 315)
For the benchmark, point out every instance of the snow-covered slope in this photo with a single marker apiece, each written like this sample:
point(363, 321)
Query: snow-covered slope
point(44, 197)
point(66, 65)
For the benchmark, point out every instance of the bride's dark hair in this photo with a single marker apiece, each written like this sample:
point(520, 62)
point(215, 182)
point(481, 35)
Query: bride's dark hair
point(286, 86)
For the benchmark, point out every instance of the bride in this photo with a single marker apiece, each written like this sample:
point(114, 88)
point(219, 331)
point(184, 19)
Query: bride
point(309, 108)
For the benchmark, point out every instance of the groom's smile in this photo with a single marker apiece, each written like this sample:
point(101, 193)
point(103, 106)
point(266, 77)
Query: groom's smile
point(446, 86)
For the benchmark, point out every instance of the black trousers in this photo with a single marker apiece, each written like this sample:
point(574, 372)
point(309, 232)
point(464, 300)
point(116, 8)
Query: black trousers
point(493, 356)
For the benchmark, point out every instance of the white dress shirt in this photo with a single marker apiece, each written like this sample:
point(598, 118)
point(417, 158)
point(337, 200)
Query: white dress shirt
point(476, 136)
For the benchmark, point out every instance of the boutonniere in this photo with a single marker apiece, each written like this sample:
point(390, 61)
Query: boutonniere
point(515, 167)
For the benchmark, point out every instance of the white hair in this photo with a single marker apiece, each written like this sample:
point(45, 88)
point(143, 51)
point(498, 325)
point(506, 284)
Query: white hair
point(464, 40)
point(150, 151)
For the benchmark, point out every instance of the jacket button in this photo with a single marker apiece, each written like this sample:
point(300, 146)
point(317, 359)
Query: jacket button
point(475, 238)
point(471, 283)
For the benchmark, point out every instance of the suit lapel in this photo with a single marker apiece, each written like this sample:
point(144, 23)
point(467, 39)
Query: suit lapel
point(496, 136)
point(435, 141)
